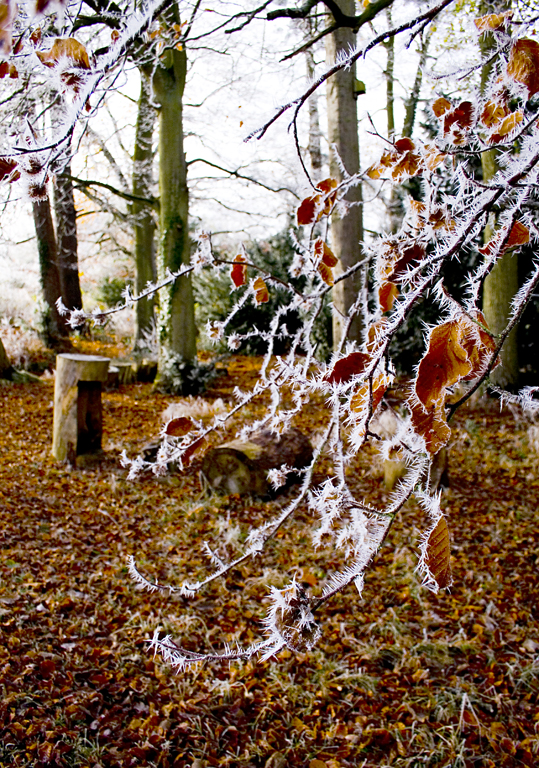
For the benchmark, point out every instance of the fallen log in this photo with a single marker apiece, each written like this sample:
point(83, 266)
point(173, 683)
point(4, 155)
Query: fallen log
point(241, 466)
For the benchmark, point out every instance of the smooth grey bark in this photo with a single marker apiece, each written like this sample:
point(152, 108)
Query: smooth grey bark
point(347, 230)
point(66, 238)
point(177, 331)
point(54, 326)
point(143, 214)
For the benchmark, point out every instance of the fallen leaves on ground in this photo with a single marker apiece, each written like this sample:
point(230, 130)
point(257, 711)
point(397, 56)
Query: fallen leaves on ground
point(401, 677)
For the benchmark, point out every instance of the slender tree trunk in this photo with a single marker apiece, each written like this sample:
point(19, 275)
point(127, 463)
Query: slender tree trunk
point(54, 326)
point(6, 369)
point(315, 148)
point(177, 332)
point(390, 79)
point(395, 203)
point(143, 217)
point(346, 230)
point(501, 285)
point(66, 237)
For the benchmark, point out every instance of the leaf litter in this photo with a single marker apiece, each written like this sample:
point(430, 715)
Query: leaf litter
point(400, 677)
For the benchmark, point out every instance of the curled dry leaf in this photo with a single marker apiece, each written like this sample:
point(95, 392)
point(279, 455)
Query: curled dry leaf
point(492, 21)
point(445, 362)
point(360, 399)
point(65, 48)
point(457, 121)
point(326, 273)
point(431, 424)
point(312, 208)
point(523, 64)
point(441, 106)
point(179, 427)
point(387, 293)
point(238, 273)
point(519, 235)
point(261, 291)
point(493, 113)
point(324, 252)
point(402, 161)
point(438, 555)
point(8, 169)
point(346, 367)
point(506, 126)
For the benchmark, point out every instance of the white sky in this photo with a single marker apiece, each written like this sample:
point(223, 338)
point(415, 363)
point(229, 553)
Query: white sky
point(238, 83)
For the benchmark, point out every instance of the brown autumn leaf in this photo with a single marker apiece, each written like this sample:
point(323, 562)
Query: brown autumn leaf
point(238, 273)
point(65, 48)
point(493, 113)
point(191, 450)
point(179, 427)
point(348, 366)
point(519, 235)
point(431, 424)
point(312, 208)
point(8, 169)
point(373, 334)
point(445, 362)
point(492, 21)
point(406, 256)
point(523, 64)
point(480, 345)
point(433, 157)
point(324, 252)
point(458, 121)
point(441, 106)
point(387, 293)
point(507, 125)
point(261, 291)
point(326, 273)
point(437, 554)
point(360, 399)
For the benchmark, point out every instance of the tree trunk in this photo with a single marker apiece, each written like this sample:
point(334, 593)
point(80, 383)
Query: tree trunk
point(346, 231)
point(54, 326)
point(66, 236)
point(177, 332)
point(78, 422)
point(315, 149)
point(241, 466)
point(6, 369)
point(143, 218)
point(501, 285)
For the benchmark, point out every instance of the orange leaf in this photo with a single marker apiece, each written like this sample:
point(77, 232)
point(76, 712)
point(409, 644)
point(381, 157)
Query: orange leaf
point(238, 273)
point(433, 157)
point(445, 362)
point(325, 273)
point(373, 332)
point(327, 185)
point(492, 21)
point(506, 126)
point(348, 366)
point(441, 106)
point(66, 48)
point(387, 293)
point(493, 113)
point(519, 235)
point(431, 424)
point(324, 252)
point(261, 291)
point(437, 554)
point(314, 207)
point(460, 118)
point(523, 64)
point(360, 399)
point(179, 427)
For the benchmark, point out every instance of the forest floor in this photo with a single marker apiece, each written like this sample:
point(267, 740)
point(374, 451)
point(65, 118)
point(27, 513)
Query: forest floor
point(401, 677)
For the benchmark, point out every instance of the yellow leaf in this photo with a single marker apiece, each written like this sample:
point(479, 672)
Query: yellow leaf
point(261, 291)
point(492, 21)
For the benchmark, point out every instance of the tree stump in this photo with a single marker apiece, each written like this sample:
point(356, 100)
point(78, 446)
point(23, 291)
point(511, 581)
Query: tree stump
point(78, 416)
point(241, 466)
